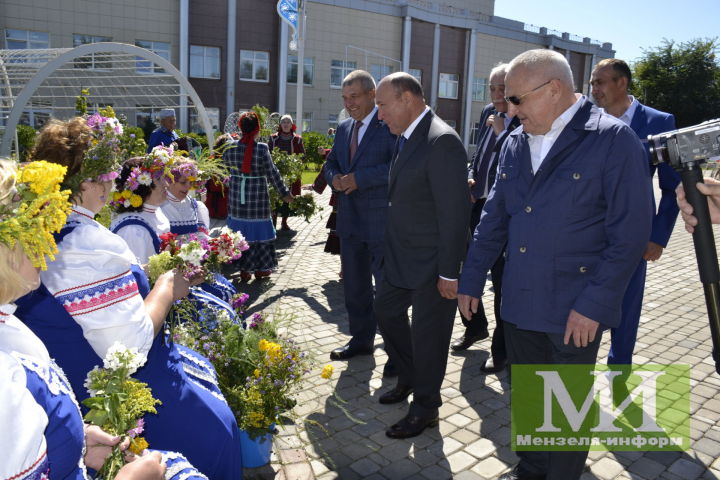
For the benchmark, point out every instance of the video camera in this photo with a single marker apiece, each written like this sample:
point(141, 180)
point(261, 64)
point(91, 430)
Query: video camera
point(691, 144)
point(686, 150)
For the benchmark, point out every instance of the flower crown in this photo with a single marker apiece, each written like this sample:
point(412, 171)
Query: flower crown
point(154, 166)
point(101, 161)
point(37, 208)
point(206, 165)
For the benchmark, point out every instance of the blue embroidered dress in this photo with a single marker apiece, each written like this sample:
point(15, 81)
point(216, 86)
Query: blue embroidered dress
point(90, 297)
point(190, 216)
point(40, 418)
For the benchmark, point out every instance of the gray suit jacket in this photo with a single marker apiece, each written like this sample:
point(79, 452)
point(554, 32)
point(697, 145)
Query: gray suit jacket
point(428, 207)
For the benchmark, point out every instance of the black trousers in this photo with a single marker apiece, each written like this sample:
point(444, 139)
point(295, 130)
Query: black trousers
point(479, 322)
point(418, 349)
point(529, 347)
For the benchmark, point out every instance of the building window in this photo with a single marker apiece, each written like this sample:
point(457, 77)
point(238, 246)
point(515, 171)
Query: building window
point(307, 120)
point(204, 62)
point(417, 73)
point(339, 69)
point(380, 71)
point(24, 39)
point(479, 89)
point(448, 85)
point(161, 49)
point(214, 116)
point(308, 72)
point(254, 66)
point(332, 120)
point(474, 133)
point(95, 61)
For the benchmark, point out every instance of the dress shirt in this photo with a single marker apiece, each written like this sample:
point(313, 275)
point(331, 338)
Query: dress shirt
point(627, 117)
point(365, 122)
point(540, 145)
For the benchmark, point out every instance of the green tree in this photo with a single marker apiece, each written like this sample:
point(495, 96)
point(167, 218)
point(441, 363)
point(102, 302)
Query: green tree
point(680, 79)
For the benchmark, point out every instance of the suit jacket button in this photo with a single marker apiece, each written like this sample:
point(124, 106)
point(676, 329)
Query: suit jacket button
point(389, 204)
point(528, 209)
point(583, 269)
point(523, 249)
point(503, 176)
point(576, 176)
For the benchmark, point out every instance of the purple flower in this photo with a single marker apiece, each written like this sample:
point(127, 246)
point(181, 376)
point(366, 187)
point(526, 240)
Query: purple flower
point(139, 428)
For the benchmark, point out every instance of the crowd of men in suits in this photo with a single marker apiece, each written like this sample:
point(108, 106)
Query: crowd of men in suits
point(556, 204)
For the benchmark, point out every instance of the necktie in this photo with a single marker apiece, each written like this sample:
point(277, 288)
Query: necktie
point(483, 172)
point(354, 139)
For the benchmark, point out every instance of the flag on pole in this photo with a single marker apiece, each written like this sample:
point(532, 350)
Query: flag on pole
point(288, 11)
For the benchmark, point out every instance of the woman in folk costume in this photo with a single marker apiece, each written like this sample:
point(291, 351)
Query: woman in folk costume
point(140, 190)
point(188, 216)
point(95, 294)
point(251, 169)
point(289, 142)
point(43, 431)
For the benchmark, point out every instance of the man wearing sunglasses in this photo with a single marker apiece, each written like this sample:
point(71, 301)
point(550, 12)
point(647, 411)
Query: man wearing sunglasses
point(610, 80)
point(495, 125)
point(571, 204)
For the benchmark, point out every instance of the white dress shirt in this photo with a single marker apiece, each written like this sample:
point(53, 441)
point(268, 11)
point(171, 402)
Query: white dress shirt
point(540, 145)
point(365, 123)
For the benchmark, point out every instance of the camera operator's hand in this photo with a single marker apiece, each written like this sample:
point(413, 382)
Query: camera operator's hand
point(711, 188)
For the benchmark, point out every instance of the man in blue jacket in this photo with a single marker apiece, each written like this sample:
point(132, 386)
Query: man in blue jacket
point(165, 133)
point(572, 203)
point(357, 168)
point(610, 81)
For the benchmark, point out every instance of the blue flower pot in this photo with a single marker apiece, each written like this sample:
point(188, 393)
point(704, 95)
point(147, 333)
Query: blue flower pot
point(255, 453)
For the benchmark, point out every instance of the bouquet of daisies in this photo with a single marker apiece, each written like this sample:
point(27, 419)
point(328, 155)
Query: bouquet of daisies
point(118, 402)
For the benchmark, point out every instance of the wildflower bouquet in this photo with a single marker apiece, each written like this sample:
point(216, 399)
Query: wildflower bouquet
point(118, 402)
point(305, 206)
point(225, 248)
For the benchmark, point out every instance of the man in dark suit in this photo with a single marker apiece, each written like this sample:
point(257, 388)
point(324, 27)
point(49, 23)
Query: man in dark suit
point(357, 168)
point(610, 81)
point(424, 244)
point(495, 126)
point(571, 205)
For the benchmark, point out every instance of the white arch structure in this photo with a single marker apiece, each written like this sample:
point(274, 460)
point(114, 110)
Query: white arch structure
point(20, 102)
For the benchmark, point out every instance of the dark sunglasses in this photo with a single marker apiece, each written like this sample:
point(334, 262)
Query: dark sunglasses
point(517, 99)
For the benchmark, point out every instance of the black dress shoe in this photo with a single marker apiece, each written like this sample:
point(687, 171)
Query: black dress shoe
point(517, 474)
point(493, 366)
point(390, 370)
point(466, 341)
point(396, 395)
point(411, 426)
point(347, 352)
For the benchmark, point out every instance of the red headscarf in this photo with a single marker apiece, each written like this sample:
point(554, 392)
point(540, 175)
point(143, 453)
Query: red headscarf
point(248, 139)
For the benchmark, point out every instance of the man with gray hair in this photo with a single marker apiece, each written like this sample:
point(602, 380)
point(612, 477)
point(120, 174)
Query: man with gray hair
point(572, 205)
point(357, 168)
point(165, 134)
point(495, 125)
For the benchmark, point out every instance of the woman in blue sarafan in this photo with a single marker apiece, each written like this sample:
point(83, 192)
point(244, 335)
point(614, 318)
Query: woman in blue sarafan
point(43, 431)
point(140, 190)
point(95, 294)
point(187, 215)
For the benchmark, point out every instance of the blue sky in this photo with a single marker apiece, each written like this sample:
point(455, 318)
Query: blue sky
point(630, 25)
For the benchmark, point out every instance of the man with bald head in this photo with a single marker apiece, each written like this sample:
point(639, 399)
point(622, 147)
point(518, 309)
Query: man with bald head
point(425, 237)
point(572, 204)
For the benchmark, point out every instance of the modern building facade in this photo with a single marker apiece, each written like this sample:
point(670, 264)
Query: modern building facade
point(236, 55)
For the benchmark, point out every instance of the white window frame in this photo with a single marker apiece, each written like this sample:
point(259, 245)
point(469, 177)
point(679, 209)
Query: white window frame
point(309, 65)
point(210, 63)
point(380, 71)
point(344, 68)
point(480, 89)
point(307, 120)
point(93, 58)
point(448, 85)
point(417, 73)
point(196, 126)
point(257, 62)
point(474, 133)
point(333, 120)
point(20, 35)
point(161, 49)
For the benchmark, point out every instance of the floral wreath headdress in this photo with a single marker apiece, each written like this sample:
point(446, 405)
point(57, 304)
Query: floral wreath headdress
point(207, 165)
point(101, 161)
point(154, 166)
point(34, 209)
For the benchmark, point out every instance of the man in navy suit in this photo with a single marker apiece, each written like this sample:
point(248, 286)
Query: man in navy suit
point(571, 205)
point(357, 168)
point(425, 240)
point(610, 80)
point(495, 125)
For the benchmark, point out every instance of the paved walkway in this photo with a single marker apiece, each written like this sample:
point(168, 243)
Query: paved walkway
point(340, 427)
